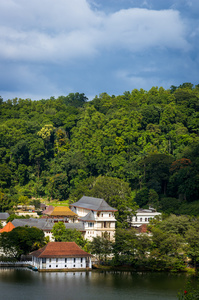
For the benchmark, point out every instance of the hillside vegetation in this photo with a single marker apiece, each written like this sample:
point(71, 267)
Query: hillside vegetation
point(140, 147)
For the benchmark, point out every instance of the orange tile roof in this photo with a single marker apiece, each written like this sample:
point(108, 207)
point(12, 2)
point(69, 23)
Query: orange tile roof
point(7, 228)
point(62, 211)
point(59, 250)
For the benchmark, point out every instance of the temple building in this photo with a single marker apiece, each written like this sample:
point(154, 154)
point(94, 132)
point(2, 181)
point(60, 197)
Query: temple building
point(97, 217)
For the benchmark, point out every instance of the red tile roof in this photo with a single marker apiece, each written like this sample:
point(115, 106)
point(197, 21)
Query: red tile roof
point(48, 210)
point(7, 228)
point(60, 249)
point(142, 228)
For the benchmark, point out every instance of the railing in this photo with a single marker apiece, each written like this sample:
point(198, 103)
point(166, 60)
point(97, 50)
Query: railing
point(15, 263)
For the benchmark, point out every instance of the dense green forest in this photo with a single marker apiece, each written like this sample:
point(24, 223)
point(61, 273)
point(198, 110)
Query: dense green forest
point(140, 147)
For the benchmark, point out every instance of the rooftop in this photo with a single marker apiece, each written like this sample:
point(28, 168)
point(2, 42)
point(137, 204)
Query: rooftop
point(45, 224)
point(89, 217)
point(48, 210)
point(7, 228)
point(95, 204)
point(63, 211)
point(4, 216)
point(59, 250)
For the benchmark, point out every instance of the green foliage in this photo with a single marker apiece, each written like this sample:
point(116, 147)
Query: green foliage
point(101, 247)
point(147, 139)
point(13, 216)
point(190, 292)
point(61, 234)
point(58, 187)
point(21, 240)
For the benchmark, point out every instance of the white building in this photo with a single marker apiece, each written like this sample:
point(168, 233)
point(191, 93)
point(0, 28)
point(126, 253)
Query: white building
point(3, 218)
point(97, 217)
point(143, 216)
point(65, 256)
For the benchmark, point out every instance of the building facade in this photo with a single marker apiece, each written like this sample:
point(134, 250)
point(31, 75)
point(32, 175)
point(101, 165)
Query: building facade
point(143, 216)
point(64, 256)
point(97, 217)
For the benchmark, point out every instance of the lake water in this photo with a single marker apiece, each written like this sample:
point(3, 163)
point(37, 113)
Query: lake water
point(24, 284)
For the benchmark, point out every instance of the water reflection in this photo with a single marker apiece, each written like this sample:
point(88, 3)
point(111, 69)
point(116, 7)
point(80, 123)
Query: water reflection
point(26, 284)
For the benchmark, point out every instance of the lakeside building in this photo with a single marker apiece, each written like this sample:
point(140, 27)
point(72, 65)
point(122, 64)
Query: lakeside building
point(66, 256)
point(97, 217)
point(143, 216)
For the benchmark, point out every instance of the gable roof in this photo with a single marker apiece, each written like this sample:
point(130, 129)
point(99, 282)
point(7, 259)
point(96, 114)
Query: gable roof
point(62, 211)
point(42, 224)
point(59, 250)
point(4, 216)
point(45, 224)
point(7, 228)
point(89, 217)
point(92, 203)
point(48, 210)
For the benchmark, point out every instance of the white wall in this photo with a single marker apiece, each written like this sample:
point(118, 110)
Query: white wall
point(62, 263)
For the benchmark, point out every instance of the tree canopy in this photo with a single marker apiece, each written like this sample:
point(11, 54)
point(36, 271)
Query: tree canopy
point(139, 146)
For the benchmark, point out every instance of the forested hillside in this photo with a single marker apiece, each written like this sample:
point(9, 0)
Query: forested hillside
point(141, 146)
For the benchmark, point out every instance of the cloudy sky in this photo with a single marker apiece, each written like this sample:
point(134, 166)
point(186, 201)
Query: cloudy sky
point(52, 48)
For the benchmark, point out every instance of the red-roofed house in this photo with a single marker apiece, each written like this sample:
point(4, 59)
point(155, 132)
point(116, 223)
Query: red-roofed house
point(7, 228)
point(64, 256)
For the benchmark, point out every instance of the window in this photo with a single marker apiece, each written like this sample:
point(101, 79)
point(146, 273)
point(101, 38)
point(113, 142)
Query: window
point(56, 266)
point(49, 259)
point(81, 265)
point(136, 219)
point(102, 215)
point(145, 219)
point(65, 260)
point(73, 266)
point(81, 260)
point(49, 266)
point(90, 224)
point(140, 219)
point(65, 266)
point(56, 259)
point(43, 260)
point(74, 260)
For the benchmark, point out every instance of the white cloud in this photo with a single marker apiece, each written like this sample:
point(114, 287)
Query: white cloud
point(137, 29)
point(58, 31)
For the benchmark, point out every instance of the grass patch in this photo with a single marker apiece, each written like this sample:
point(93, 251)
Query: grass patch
point(59, 203)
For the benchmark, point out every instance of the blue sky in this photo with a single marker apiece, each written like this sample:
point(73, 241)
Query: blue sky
point(52, 48)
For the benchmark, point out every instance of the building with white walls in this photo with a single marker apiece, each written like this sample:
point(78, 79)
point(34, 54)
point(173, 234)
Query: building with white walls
point(65, 256)
point(143, 216)
point(97, 216)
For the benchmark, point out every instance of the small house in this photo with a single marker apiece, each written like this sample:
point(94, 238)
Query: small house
point(61, 256)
